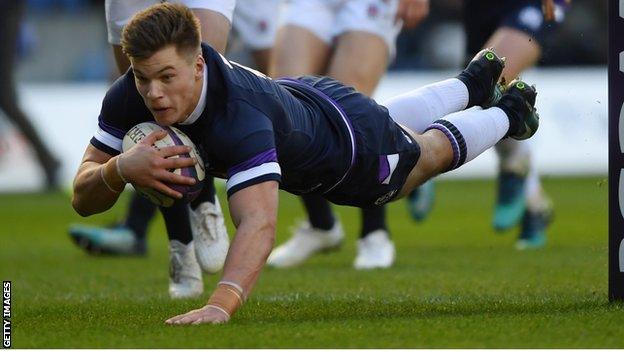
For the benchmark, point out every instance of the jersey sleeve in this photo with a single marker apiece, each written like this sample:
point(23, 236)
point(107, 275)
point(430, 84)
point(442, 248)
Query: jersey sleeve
point(122, 108)
point(248, 149)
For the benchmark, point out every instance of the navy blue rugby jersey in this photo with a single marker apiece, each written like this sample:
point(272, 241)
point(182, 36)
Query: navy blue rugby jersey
point(252, 129)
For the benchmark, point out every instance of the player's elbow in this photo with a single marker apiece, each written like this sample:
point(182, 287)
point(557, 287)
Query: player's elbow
point(86, 205)
point(79, 207)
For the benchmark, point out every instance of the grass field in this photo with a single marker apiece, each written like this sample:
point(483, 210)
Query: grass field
point(455, 283)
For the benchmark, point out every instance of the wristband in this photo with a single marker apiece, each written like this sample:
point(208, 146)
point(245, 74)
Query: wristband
point(105, 182)
point(118, 166)
point(226, 298)
point(234, 285)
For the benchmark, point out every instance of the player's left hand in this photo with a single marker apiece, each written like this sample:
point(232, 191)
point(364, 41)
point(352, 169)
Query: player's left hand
point(206, 314)
point(412, 12)
point(548, 8)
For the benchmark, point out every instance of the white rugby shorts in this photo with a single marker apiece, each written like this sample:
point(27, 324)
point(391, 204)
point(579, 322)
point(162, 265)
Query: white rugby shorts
point(119, 12)
point(256, 21)
point(328, 19)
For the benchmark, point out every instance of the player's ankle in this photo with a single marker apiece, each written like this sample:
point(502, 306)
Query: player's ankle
point(474, 95)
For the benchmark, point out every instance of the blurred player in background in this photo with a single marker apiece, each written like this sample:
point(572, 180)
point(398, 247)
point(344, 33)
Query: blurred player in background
point(516, 29)
point(255, 24)
point(197, 236)
point(12, 12)
point(352, 41)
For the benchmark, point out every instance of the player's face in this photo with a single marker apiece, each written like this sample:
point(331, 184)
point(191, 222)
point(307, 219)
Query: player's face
point(169, 83)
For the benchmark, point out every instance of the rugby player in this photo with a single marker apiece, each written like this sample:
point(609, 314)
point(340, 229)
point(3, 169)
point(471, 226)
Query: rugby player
point(305, 135)
point(197, 237)
point(327, 37)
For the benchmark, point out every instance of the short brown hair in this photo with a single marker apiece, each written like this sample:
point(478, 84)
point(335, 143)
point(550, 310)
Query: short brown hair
point(159, 26)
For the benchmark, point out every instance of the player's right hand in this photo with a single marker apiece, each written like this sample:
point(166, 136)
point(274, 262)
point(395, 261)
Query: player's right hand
point(147, 166)
point(203, 315)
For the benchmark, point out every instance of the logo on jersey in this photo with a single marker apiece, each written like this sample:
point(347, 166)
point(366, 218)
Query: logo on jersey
point(386, 197)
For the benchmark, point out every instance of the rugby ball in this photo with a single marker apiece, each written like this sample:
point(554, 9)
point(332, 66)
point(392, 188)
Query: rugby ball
point(174, 137)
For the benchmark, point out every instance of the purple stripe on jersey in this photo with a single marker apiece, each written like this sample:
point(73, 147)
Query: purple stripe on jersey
point(114, 131)
point(451, 138)
point(269, 155)
point(344, 117)
point(384, 168)
point(185, 171)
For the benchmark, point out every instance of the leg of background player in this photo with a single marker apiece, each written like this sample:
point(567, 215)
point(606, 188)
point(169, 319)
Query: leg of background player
point(298, 51)
point(262, 59)
point(185, 277)
point(370, 51)
point(9, 32)
point(375, 249)
point(215, 28)
point(518, 198)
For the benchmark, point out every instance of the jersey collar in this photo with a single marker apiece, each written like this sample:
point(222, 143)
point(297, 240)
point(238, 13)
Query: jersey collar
point(201, 104)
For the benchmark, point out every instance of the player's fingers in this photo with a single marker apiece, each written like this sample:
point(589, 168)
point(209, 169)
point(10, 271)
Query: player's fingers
point(178, 162)
point(151, 138)
point(172, 320)
point(200, 320)
point(169, 177)
point(179, 318)
point(174, 150)
point(175, 318)
point(157, 185)
point(188, 319)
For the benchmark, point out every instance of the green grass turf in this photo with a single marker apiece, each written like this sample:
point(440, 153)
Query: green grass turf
point(455, 283)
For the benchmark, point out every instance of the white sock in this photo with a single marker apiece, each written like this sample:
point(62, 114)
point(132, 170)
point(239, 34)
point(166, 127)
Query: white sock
point(514, 156)
point(533, 187)
point(418, 108)
point(472, 131)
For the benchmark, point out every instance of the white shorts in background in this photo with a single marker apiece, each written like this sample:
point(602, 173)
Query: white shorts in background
point(256, 21)
point(119, 12)
point(328, 19)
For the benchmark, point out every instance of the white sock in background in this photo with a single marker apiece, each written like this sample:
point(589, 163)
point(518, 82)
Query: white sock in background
point(472, 131)
point(418, 108)
point(516, 156)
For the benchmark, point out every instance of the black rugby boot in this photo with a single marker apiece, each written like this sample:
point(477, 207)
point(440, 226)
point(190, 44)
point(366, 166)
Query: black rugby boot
point(481, 77)
point(518, 103)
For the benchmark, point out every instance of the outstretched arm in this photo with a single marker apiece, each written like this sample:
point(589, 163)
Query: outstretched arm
point(101, 177)
point(254, 213)
point(91, 193)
